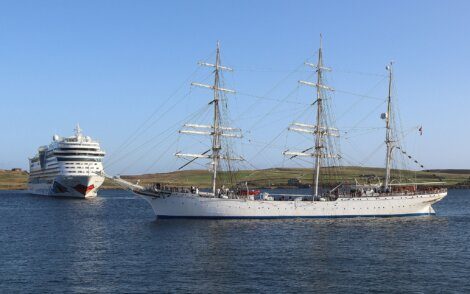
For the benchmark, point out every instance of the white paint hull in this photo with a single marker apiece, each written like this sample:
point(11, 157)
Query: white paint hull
point(69, 186)
point(185, 205)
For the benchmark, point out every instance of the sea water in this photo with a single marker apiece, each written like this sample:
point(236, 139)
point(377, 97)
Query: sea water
point(113, 243)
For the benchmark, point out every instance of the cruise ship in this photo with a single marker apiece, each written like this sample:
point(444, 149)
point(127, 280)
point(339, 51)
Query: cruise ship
point(68, 167)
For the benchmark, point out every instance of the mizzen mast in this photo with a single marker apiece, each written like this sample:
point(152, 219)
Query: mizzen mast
point(388, 135)
point(216, 130)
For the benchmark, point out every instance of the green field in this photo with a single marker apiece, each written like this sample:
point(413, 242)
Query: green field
point(13, 180)
point(276, 177)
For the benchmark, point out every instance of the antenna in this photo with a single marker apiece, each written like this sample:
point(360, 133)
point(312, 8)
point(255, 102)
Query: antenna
point(78, 130)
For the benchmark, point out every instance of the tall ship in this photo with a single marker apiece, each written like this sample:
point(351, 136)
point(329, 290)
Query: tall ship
point(68, 167)
point(382, 197)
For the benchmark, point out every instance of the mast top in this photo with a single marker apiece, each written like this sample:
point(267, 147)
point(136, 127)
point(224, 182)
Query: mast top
point(78, 130)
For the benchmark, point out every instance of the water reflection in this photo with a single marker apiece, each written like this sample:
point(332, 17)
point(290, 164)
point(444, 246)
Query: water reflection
point(113, 243)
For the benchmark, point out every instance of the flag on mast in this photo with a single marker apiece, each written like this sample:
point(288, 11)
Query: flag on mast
point(420, 130)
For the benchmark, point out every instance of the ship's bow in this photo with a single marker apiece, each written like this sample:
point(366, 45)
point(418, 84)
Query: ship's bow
point(77, 186)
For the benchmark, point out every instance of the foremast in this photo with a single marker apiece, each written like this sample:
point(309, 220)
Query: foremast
point(320, 130)
point(216, 130)
point(388, 129)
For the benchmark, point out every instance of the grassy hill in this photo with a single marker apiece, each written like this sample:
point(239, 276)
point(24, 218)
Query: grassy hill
point(13, 180)
point(275, 177)
point(450, 171)
point(278, 177)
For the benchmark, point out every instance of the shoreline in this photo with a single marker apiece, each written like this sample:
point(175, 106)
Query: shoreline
point(274, 178)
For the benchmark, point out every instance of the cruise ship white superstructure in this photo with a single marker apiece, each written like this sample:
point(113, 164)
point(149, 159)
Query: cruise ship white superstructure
point(68, 167)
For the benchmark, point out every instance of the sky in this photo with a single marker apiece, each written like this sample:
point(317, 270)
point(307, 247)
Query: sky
point(122, 69)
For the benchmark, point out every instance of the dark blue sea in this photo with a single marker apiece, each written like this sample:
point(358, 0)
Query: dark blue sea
point(114, 244)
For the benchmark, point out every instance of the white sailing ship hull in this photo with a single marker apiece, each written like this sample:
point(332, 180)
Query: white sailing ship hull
point(185, 205)
point(68, 186)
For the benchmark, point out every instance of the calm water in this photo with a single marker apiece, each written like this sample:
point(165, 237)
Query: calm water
point(114, 244)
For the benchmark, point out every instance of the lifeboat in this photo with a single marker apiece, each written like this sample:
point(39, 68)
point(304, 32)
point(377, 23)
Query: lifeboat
point(248, 192)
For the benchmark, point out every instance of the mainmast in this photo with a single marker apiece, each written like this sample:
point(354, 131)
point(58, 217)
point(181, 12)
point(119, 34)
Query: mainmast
point(388, 127)
point(216, 130)
point(320, 129)
point(318, 133)
point(216, 125)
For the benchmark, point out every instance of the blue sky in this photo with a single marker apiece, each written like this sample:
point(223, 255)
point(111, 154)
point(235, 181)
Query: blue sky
point(110, 64)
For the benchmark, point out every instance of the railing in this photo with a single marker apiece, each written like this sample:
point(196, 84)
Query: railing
point(396, 193)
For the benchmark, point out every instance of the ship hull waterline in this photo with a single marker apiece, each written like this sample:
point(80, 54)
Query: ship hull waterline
point(185, 205)
point(68, 187)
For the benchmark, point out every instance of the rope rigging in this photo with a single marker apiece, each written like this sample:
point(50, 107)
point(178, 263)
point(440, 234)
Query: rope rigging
point(251, 135)
point(171, 129)
point(147, 124)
